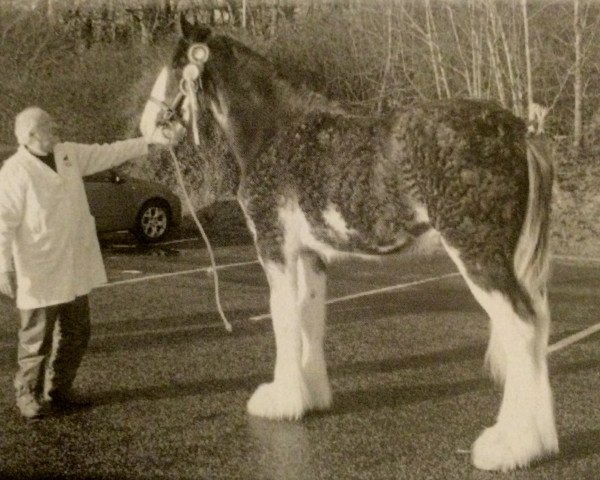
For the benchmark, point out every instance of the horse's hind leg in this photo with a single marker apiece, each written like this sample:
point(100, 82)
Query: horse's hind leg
point(525, 428)
point(287, 397)
point(312, 280)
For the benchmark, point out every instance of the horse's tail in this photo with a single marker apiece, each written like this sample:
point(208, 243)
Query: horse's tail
point(532, 255)
point(531, 262)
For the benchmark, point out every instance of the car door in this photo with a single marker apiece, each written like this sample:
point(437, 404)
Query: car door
point(109, 198)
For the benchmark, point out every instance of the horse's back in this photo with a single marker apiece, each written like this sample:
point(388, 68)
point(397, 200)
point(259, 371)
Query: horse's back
point(371, 185)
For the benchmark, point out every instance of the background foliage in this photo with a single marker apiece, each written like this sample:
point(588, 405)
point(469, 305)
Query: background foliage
point(91, 63)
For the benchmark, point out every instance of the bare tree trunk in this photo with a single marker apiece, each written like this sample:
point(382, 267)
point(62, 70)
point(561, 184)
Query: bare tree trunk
point(438, 52)
point(476, 54)
point(492, 40)
point(244, 7)
point(434, 59)
point(52, 12)
point(513, 80)
point(466, 71)
point(527, 57)
point(388, 60)
point(109, 21)
point(274, 17)
point(577, 82)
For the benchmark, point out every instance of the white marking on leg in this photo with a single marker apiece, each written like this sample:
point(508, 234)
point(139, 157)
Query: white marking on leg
point(336, 222)
point(311, 307)
point(375, 291)
point(294, 220)
point(287, 396)
point(525, 428)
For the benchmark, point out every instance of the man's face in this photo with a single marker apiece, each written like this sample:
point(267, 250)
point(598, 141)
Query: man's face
point(45, 136)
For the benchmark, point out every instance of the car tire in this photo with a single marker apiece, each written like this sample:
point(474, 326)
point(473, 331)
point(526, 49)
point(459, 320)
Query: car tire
point(153, 221)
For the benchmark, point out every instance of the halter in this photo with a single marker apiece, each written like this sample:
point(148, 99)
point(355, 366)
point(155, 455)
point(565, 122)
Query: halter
point(190, 84)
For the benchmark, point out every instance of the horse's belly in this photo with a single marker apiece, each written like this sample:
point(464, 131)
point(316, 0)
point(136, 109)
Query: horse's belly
point(330, 235)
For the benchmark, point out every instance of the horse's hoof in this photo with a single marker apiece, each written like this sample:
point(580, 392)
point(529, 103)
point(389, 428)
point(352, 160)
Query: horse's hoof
point(500, 450)
point(277, 402)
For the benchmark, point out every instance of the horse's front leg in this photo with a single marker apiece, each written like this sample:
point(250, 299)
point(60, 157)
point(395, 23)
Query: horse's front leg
point(287, 397)
point(312, 279)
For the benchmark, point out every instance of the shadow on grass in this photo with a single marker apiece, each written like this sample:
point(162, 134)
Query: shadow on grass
point(165, 333)
point(468, 352)
point(177, 390)
point(355, 401)
point(580, 444)
point(574, 367)
point(345, 402)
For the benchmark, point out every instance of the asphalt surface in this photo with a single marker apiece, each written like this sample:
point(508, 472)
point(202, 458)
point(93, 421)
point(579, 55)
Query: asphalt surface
point(168, 384)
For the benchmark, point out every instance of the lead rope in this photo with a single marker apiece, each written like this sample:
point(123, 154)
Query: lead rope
point(190, 74)
point(188, 201)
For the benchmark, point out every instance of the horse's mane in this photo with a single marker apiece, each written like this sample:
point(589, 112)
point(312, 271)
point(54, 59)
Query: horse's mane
point(304, 100)
point(299, 99)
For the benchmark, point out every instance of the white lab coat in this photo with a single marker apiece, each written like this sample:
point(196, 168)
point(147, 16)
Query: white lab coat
point(45, 223)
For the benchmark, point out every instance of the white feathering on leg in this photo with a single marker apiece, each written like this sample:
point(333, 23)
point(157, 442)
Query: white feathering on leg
point(311, 306)
point(287, 396)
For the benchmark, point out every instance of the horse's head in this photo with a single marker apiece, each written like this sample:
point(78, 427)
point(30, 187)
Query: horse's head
point(214, 71)
point(173, 101)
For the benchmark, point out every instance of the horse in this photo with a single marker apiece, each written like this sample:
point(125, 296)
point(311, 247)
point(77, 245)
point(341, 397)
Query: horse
point(318, 183)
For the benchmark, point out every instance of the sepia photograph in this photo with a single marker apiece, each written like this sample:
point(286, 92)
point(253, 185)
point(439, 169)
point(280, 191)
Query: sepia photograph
point(299, 239)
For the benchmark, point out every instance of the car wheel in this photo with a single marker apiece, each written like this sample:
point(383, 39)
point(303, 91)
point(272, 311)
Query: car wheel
point(153, 221)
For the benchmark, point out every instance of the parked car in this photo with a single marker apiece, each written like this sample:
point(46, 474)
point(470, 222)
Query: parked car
point(121, 202)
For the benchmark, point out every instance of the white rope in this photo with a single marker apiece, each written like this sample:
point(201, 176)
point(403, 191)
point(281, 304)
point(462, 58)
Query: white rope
point(375, 291)
point(178, 273)
point(226, 323)
point(576, 337)
point(186, 89)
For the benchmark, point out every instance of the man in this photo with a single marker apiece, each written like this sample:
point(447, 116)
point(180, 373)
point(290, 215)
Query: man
point(49, 254)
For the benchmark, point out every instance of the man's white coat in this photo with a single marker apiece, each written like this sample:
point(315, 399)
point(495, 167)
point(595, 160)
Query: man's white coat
point(45, 223)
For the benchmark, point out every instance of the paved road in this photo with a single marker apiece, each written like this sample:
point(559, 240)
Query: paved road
point(169, 385)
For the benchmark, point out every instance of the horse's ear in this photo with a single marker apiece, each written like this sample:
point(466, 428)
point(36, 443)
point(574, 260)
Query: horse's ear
point(185, 28)
point(191, 31)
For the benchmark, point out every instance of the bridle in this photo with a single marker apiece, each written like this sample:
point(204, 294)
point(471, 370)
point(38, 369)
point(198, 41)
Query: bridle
point(189, 86)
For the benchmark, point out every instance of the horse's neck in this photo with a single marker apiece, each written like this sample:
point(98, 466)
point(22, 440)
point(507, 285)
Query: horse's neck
point(251, 127)
point(304, 101)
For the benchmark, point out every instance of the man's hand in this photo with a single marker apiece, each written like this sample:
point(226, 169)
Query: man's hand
point(169, 135)
point(8, 284)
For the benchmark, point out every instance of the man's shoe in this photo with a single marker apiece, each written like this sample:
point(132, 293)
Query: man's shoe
point(30, 407)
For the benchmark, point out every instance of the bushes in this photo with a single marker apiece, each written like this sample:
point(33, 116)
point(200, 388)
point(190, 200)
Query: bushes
point(368, 56)
point(86, 90)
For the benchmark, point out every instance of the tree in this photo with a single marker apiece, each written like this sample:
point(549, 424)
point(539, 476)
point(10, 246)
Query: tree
point(577, 80)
